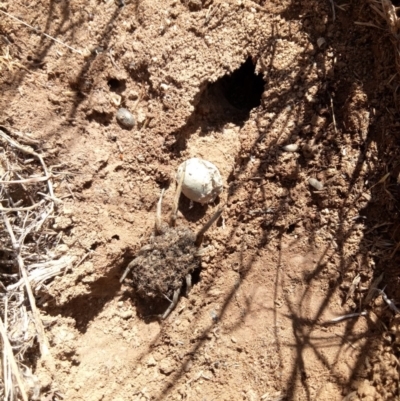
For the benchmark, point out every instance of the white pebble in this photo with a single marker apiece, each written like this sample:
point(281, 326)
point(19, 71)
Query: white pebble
point(202, 182)
point(316, 184)
point(290, 148)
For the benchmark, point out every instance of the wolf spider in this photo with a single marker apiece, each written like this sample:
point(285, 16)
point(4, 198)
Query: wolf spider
point(169, 258)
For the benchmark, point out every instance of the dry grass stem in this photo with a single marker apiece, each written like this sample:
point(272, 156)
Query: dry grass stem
point(27, 201)
point(387, 11)
point(348, 316)
point(41, 33)
point(333, 114)
point(25, 181)
point(368, 24)
point(20, 209)
point(8, 357)
point(44, 344)
point(30, 151)
point(7, 60)
point(42, 272)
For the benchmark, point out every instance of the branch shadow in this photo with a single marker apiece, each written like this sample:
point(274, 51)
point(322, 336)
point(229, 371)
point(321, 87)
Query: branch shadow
point(349, 262)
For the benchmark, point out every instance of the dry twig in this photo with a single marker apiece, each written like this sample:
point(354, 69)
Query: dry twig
point(24, 236)
point(8, 356)
point(387, 11)
point(44, 344)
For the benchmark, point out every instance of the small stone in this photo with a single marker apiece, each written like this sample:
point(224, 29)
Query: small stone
point(125, 118)
point(88, 279)
point(316, 184)
point(62, 223)
point(321, 42)
point(140, 116)
point(151, 361)
point(166, 367)
point(233, 339)
point(126, 314)
point(187, 366)
point(290, 148)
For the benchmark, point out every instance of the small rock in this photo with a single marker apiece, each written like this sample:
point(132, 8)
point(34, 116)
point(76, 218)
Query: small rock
point(290, 148)
point(126, 314)
point(321, 42)
point(233, 339)
point(166, 367)
point(214, 292)
point(187, 366)
point(151, 361)
point(125, 118)
point(62, 223)
point(88, 279)
point(140, 116)
point(316, 184)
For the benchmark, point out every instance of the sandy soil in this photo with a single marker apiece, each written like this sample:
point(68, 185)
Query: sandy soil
point(232, 82)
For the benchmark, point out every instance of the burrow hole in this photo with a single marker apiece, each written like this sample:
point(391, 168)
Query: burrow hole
point(116, 85)
point(243, 88)
point(230, 99)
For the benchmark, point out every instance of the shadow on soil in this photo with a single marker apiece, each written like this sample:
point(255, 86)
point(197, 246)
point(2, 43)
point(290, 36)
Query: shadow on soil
point(332, 103)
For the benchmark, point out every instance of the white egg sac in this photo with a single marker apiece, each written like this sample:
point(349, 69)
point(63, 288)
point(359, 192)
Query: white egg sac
point(202, 181)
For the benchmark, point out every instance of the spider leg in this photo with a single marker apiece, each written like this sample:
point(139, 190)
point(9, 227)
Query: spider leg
point(128, 269)
point(177, 196)
point(188, 283)
point(158, 214)
point(173, 304)
point(213, 219)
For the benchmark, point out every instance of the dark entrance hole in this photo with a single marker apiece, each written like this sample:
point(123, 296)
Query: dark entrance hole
point(116, 85)
point(196, 276)
point(227, 100)
point(243, 88)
